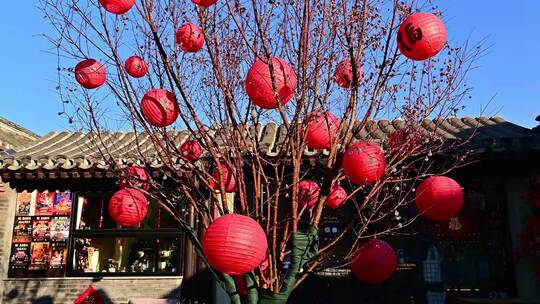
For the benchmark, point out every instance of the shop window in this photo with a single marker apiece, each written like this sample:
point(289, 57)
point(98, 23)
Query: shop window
point(60, 234)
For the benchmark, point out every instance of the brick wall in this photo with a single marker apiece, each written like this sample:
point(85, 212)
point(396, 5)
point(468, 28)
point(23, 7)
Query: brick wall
point(64, 291)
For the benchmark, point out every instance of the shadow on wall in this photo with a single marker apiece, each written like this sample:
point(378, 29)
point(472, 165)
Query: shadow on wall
point(197, 289)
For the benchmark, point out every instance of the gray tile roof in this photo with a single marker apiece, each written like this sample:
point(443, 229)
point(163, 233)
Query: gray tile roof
point(78, 151)
point(13, 136)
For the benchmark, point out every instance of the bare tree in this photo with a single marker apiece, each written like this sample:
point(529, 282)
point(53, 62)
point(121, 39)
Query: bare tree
point(313, 37)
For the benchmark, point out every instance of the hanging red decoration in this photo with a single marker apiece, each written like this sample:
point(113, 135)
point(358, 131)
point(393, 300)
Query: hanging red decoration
point(228, 178)
point(343, 75)
point(421, 36)
point(374, 262)
point(89, 296)
point(337, 197)
point(117, 7)
point(241, 285)
point(128, 207)
point(204, 3)
point(190, 38)
point(90, 73)
point(134, 177)
point(404, 140)
point(439, 198)
point(321, 130)
point(191, 150)
point(159, 107)
point(364, 163)
point(308, 193)
point(136, 66)
point(259, 83)
point(234, 244)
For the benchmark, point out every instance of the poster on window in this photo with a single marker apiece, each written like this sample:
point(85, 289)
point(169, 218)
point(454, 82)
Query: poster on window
point(39, 255)
point(58, 255)
point(44, 203)
point(59, 228)
point(22, 230)
point(62, 203)
point(41, 228)
point(26, 203)
point(20, 256)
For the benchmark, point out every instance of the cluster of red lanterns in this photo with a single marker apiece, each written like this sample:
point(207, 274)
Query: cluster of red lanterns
point(191, 150)
point(439, 198)
point(134, 177)
point(227, 176)
point(421, 36)
point(374, 262)
point(160, 107)
point(234, 244)
point(128, 207)
point(259, 86)
point(364, 163)
point(321, 130)
point(308, 193)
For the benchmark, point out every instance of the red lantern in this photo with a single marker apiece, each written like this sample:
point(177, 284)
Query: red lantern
point(204, 3)
point(117, 6)
point(308, 193)
point(191, 150)
point(337, 197)
point(364, 163)
point(374, 262)
point(128, 207)
point(404, 140)
point(234, 244)
point(259, 83)
point(134, 177)
point(136, 66)
point(159, 107)
point(228, 178)
point(421, 36)
point(343, 75)
point(439, 198)
point(321, 130)
point(190, 38)
point(90, 73)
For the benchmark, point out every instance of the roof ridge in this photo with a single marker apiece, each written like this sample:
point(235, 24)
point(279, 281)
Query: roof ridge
point(31, 135)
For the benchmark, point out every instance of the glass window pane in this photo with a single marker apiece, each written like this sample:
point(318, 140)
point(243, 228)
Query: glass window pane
point(126, 255)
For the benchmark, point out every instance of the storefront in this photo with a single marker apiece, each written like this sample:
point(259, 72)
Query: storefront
point(58, 238)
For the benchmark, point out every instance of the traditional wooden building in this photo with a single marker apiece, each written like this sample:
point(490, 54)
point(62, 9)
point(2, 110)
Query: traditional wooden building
point(57, 237)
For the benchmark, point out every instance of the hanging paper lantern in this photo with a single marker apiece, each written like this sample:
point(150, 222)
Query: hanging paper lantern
point(204, 3)
point(374, 262)
point(364, 163)
point(159, 107)
point(234, 244)
point(117, 6)
point(228, 178)
point(136, 66)
point(343, 75)
point(191, 150)
point(321, 130)
point(90, 73)
point(128, 207)
point(421, 36)
point(404, 140)
point(337, 197)
point(134, 177)
point(308, 193)
point(439, 198)
point(190, 38)
point(259, 83)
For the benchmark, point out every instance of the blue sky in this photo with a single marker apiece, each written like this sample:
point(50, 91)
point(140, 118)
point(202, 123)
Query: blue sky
point(509, 72)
